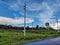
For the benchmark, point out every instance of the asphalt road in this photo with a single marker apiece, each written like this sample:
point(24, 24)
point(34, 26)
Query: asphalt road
point(53, 41)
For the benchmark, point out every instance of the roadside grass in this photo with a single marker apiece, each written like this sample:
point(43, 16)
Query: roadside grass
point(14, 37)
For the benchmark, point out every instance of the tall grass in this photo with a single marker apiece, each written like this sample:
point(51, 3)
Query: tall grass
point(13, 37)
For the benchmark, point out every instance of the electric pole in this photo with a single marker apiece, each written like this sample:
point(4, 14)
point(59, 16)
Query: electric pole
point(24, 18)
point(57, 23)
point(32, 26)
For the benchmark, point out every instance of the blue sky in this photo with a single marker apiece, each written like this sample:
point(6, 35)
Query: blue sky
point(38, 12)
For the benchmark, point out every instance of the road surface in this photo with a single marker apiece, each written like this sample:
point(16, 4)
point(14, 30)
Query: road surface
point(53, 41)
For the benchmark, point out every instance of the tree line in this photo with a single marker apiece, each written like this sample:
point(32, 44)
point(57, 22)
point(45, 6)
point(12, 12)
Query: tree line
point(22, 28)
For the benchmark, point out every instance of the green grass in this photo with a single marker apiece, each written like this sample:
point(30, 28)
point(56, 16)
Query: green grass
point(13, 37)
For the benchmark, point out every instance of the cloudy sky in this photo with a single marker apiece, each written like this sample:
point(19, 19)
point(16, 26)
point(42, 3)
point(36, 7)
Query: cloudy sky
point(38, 12)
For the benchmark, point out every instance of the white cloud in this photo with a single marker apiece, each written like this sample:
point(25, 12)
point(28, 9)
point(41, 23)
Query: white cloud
point(34, 7)
point(14, 6)
point(31, 7)
point(17, 6)
point(6, 20)
point(47, 14)
point(54, 26)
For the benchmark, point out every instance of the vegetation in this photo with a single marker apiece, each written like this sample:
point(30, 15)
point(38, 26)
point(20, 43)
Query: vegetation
point(13, 37)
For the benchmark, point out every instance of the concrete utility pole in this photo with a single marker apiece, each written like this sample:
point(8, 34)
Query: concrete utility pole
point(24, 18)
point(57, 23)
point(32, 26)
